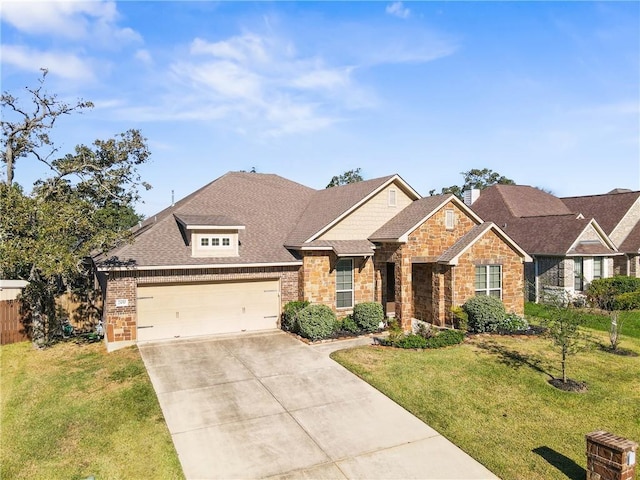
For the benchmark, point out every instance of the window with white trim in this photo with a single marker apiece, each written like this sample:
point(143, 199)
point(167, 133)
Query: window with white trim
point(215, 241)
point(489, 280)
point(344, 283)
point(449, 219)
point(598, 267)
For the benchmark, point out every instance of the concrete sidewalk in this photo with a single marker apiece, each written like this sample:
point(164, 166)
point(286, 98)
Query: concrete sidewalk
point(269, 406)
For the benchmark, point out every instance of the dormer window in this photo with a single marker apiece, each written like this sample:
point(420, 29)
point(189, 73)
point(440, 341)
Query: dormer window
point(210, 235)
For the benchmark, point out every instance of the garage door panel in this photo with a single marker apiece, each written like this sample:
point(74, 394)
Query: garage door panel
point(202, 309)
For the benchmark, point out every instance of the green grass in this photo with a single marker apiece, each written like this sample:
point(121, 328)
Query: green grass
point(593, 319)
point(491, 397)
point(74, 411)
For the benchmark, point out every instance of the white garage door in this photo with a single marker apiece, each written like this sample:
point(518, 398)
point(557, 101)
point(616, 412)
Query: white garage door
point(171, 311)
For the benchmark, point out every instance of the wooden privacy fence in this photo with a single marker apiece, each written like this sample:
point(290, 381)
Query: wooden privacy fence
point(11, 328)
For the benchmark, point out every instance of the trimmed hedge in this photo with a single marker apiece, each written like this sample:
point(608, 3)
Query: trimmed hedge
point(485, 313)
point(316, 322)
point(602, 292)
point(444, 338)
point(627, 301)
point(368, 315)
point(512, 323)
point(289, 314)
point(348, 324)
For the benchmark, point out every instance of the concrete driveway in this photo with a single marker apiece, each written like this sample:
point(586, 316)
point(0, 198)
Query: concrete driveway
point(269, 406)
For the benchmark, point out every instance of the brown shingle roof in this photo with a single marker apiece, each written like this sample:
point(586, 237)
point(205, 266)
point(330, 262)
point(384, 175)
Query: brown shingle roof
point(607, 209)
point(267, 205)
point(327, 205)
point(207, 220)
point(342, 248)
point(409, 217)
point(550, 235)
point(499, 203)
point(464, 242)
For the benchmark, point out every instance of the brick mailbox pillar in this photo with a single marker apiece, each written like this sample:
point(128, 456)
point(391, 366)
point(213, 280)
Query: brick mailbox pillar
point(610, 457)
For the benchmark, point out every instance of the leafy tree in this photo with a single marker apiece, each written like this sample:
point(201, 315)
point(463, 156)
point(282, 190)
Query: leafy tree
point(475, 178)
point(84, 206)
point(564, 328)
point(350, 176)
point(26, 131)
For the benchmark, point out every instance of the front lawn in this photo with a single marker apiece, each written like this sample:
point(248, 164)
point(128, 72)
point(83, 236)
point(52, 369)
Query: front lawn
point(490, 397)
point(597, 320)
point(75, 411)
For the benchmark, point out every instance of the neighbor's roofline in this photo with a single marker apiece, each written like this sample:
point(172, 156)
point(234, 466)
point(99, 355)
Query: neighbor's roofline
point(599, 230)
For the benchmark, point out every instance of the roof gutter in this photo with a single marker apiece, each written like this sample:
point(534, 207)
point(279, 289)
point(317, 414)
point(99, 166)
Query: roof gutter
point(189, 267)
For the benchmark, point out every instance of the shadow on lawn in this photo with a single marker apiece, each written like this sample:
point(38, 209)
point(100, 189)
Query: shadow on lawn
point(513, 358)
point(567, 466)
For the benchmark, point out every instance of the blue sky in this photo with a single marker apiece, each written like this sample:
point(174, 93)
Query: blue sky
point(545, 93)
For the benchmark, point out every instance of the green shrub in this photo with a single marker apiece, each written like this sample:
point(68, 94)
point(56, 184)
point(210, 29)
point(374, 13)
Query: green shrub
point(513, 323)
point(602, 292)
point(395, 331)
point(368, 315)
point(460, 318)
point(316, 322)
point(627, 301)
point(348, 324)
point(289, 314)
point(485, 313)
point(445, 338)
point(410, 341)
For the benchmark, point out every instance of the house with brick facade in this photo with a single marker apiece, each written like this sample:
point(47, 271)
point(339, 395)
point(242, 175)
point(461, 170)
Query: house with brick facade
point(228, 257)
point(569, 247)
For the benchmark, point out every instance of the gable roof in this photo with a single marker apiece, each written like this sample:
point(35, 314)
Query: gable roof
point(414, 215)
point(553, 235)
point(608, 209)
point(327, 207)
point(267, 205)
point(451, 256)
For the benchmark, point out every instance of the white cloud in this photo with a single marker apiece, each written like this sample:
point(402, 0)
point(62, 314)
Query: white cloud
point(65, 65)
point(398, 9)
point(93, 21)
point(144, 56)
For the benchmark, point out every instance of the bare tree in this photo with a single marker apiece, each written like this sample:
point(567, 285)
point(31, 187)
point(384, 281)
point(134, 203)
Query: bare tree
point(25, 131)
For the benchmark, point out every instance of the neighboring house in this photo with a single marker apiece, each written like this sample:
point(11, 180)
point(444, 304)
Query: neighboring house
point(569, 249)
point(230, 255)
point(618, 212)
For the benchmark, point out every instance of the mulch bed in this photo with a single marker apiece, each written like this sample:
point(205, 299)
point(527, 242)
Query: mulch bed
point(569, 386)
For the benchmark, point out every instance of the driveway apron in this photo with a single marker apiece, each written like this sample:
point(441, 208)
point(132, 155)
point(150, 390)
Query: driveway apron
point(269, 406)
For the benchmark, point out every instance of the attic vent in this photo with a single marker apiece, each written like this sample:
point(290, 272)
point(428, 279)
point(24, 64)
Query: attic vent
point(392, 197)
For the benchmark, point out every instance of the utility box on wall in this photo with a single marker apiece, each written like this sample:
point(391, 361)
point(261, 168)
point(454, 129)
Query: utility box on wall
point(610, 457)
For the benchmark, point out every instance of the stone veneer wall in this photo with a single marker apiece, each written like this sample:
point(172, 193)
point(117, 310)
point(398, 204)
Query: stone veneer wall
point(491, 250)
point(120, 322)
point(318, 284)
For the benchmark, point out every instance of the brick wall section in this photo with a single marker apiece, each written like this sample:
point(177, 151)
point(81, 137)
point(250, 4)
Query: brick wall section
point(120, 322)
point(491, 250)
point(607, 457)
point(319, 280)
point(423, 292)
point(626, 265)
